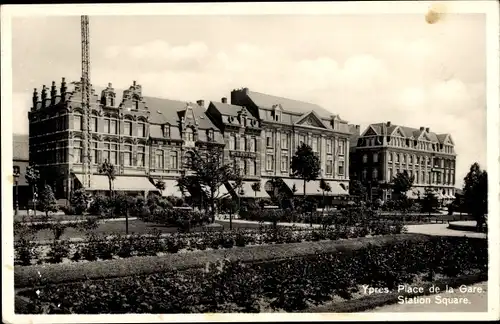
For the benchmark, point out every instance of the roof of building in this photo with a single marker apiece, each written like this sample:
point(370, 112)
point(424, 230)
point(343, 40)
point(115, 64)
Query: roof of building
point(383, 129)
point(263, 100)
point(354, 130)
point(227, 109)
point(20, 146)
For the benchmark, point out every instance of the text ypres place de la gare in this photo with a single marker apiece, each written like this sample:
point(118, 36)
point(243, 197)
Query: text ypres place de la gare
point(447, 299)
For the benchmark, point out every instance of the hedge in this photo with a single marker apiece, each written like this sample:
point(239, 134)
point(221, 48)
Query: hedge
point(290, 283)
point(39, 275)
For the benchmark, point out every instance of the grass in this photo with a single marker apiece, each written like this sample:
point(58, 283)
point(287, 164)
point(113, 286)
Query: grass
point(134, 226)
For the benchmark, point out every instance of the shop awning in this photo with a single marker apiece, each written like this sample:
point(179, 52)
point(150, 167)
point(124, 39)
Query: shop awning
point(120, 183)
point(172, 189)
point(248, 192)
point(336, 189)
point(221, 193)
point(312, 187)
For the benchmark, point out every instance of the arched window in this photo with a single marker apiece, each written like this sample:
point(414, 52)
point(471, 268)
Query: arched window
point(365, 158)
point(375, 174)
point(77, 151)
point(77, 122)
point(375, 157)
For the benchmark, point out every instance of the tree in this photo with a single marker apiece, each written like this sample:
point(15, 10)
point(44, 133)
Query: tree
point(429, 201)
point(401, 183)
point(256, 187)
point(305, 164)
point(109, 170)
point(210, 174)
point(476, 194)
point(357, 189)
point(160, 185)
point(325, 187)
point(32, 177)
point(48, 202)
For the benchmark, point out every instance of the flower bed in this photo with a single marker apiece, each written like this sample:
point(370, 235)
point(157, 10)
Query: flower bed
point(101, 248)
point(289, 283)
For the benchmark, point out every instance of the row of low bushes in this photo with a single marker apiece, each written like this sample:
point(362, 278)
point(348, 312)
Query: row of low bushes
point(95, 247)
point(290, 282)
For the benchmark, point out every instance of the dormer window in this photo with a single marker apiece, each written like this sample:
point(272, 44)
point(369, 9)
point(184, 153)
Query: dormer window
point(210, 135)
point(189, 135)
point(166, 130)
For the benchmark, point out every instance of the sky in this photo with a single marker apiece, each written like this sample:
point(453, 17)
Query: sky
point(366, 68)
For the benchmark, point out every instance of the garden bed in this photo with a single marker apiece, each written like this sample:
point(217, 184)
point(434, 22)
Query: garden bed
point(113, 247)
point(288, 277)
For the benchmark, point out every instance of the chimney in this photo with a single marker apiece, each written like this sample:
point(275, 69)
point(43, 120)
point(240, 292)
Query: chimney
point(135, 83)
point(63, 88)
point(245, 90)
point(53, 93)
point(421, 128)
point(201, 103)
point(44, 95)
point(388, 124)
point(224, 100)
point(35, 98)
point(427, 129)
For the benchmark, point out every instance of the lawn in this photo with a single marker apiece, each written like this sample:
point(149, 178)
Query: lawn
point(134, 226)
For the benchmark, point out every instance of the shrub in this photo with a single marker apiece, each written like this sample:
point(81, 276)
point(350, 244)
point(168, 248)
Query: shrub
point(58, 251)
point(25, 251)
point(79, 201)
point(47, 201)
point(58, 229)
point(99, 205)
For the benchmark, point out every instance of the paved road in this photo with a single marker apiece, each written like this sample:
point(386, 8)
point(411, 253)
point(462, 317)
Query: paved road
point(476, 302)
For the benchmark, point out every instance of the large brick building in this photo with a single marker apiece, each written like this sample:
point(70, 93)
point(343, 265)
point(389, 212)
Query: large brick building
point(149, 138)
point(384, 149)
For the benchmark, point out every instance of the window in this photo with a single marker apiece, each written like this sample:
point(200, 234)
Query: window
point(93, 124)
point(269, 162)
point(251, 167)
point(284, 141)
point(106, 126)
point(375, 174)
point(302, 139)
point(127, 128)
point(329, 146)
point(410, 173)
point(341, 147)
point(397, 158)
point(210, 135)
point(422, 177)
point(77, 151)
point(254, 140)
point(417, 160)
point(404, 158)
point(256, 170)
point(417, 179)
point(284, 163)
point(106, 152)
point(173, 160)
point(77, 122)
point(95, 152)
point(159, 159)
point(113, 129)
point(269, 139)
point(390, 157)
point(375, 157)
point(113, 154)
point(189, 134)
point(242, 166)
point(389, 174)
point(141, 156)
point(365, 158)
point(363, 174)
point(428, 177)
point(243, 143)
point(452, 177)
point(341, 168)
point(127, 155)
point(232, 142)
point(315, 144)
point(428, 161)
point(141, 130)
point(411, 159)
point(329, 166)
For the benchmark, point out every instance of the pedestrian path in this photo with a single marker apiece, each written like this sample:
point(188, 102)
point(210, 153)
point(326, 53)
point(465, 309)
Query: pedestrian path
point(429, 229)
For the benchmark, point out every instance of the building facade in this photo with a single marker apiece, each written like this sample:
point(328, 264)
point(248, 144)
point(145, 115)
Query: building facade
point(146, 138)
point(384, 150)
point(20, 161)
point(285, 124)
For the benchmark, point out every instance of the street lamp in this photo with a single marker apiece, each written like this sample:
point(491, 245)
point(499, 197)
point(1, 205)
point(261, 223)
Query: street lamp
point(16, 175)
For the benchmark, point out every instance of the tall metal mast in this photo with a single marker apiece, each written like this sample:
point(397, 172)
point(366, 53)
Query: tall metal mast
point(86, 91)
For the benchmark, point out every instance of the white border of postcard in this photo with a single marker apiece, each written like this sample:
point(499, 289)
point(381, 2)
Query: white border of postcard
point(490, 8)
